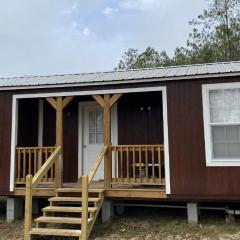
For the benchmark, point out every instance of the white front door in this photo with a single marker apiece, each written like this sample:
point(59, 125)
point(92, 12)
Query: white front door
point(91, 136)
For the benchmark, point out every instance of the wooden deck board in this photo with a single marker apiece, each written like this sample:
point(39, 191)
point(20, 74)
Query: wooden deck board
point(117, 191)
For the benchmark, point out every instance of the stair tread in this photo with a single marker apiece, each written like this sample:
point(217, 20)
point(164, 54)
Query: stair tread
point(79, 190)
point(71, 199)
point(67, 209)
point(56, 232)
point(67, 220)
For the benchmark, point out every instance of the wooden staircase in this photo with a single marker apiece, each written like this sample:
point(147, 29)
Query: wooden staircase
point(63, 216)
point(77, 208)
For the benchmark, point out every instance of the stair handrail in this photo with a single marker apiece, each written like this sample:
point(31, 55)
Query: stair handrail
point(31, 183)
point(96, 165)
point(86, 180)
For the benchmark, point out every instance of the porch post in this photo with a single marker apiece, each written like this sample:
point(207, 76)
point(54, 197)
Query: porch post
point(107, 142)
point(106, 102)
point(59, 140)
point(59, 104)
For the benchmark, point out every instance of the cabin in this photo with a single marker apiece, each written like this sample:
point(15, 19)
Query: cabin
point(83, 141)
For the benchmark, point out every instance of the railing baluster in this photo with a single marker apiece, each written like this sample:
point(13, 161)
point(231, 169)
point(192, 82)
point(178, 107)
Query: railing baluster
point(127, 152)
point(35, 161)
point(115, 164)
point(134, 164)
point(29, 161)
point(24, 164)
point(40, 158)
point(159, 164)
point(51, 169)
point(146, 160)
point(46, 157)
point(121, 162)
point(18, 165)
point(153, 164)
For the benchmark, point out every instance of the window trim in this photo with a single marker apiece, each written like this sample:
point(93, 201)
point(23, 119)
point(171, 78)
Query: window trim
point(210, 161)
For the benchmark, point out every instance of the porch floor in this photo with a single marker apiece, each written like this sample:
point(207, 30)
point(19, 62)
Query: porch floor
point(117, 191)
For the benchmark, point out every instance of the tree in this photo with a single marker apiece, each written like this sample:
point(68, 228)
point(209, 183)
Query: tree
point(216, 32)
point(149, 58)
point(215, 37)
point(129, 59)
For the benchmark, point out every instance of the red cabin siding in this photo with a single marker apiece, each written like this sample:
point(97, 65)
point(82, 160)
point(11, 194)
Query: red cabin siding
point(190, 178)
point(188, 171)
point(5, 140)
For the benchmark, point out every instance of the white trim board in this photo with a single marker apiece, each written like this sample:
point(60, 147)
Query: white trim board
point(210, 162)
point(163, 89)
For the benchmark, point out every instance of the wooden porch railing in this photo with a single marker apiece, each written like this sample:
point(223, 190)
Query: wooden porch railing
point(138, 164)
point(32, 182)
point(86, 180)
point(29, 160)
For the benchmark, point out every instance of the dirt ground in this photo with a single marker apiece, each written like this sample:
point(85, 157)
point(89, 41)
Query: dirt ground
point(146, 224)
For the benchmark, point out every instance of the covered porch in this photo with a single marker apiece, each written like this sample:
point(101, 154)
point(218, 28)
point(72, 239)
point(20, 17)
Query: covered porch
point(123, 170)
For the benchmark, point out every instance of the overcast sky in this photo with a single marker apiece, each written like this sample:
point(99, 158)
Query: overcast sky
point(44, 37)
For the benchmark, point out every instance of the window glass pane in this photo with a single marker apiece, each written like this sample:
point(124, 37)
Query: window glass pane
point(232, 114)
point(215, 98)
point(226, 141)
point(92, 125)
point(233, 150)
point(99, 127)
point(218, 134)
point(230, 97)
point(99, 115)
point(238, 95)
point(92, 116)
point(217, 114)
point(219, 150)
point(92, 139)
point(99, 138)
point(232, 133)
point(225, 105)
point(99, 122)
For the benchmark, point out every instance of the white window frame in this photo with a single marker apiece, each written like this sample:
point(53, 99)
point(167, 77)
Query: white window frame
point(210, 161)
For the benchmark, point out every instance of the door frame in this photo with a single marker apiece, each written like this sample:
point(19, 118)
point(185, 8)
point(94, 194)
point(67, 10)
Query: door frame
point(114, 130)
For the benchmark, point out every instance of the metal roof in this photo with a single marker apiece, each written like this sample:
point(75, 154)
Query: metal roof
point(151, 74)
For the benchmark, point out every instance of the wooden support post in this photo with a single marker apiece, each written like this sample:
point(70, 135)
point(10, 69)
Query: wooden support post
point(84, 235)
point(107, 142)
point(28, 208)
point(59, 104)
point(59, 140)
point(106, 103)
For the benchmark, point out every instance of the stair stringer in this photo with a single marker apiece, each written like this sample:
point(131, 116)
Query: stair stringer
point(99, 206)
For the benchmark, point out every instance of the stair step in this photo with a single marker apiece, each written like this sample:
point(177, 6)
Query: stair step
point(67, 209)
point(56, 232)
point(79, 190)
point(71, 199)
point(64, 220)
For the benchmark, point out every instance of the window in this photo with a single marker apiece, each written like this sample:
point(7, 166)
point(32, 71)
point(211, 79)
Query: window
point(95, 127)
point(221, 105)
